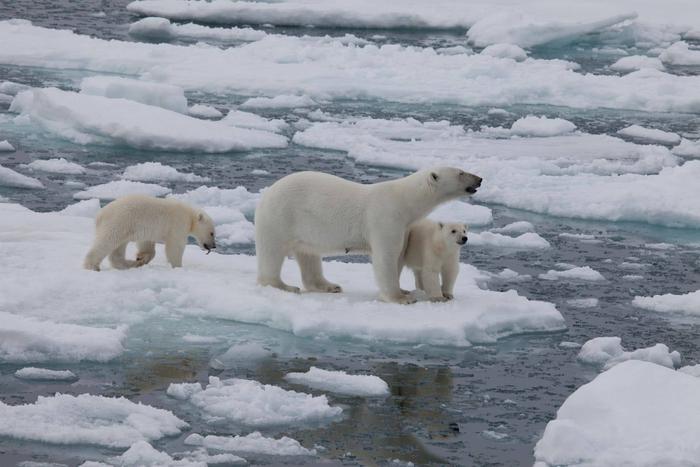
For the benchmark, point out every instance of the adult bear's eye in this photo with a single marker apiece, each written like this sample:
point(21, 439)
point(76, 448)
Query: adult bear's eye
point(454, 231)
point(212, 234)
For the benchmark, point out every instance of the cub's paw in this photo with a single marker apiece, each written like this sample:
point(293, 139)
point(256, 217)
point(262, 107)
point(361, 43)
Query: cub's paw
point(448, 296)
point(439, 299)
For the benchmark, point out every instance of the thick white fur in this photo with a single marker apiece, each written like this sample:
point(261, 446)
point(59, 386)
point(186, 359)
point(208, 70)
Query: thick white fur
point(148, 221)
point(432, 250)
point(311, 214)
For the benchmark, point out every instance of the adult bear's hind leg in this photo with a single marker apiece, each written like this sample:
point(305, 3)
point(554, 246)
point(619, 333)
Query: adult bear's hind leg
point(270, 261)
point(312, 274)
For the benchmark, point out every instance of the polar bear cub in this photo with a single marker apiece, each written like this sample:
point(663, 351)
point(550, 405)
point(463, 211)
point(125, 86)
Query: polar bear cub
point(432, 250)
point(147, 221)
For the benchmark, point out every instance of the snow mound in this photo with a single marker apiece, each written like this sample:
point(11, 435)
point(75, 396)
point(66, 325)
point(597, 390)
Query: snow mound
point(5, 146)
point(251, 403)
point(118, 188)
point(583, 273)
point(87, 419)
point(204, 111)
point(607, 352)
point(243, 119)
point(278, 102)
point(458, 211)
point(162, 95)
point(340, 382)
point(44, 374)
point(532, 125)
point(254, 443)
point(155, 28)
point(505, 51)
point(157, 172)
point(86, 119)
point(650, 134)
point(9, 177)
point(637, 62)
point(637, 414)
point(528, 240)
point(680, 53)
point(59, 166)
point(688, 303)
point(24, 339)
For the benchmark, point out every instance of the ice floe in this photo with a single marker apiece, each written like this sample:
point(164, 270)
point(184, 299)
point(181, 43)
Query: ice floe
point(541, 126)
point(528, 240)
point(45, 374)
point(162, 95)
point(636, 413)
point(243, 119)
point(515, 228)
point(687, 148)
point(59, 166)
point(9, 177)
point(637, 62)
point(204, 111)
point(650, 134)
point(118, 188)
point(142, 454)
point(607, 352)
point(254, 443)
point(250, 403)
point(688, 303)
point(84, 208)
point(87, 419)
point(5, 146)
point(156, 172)
point(277, 102)
point(340, 382)
point(692, 370)
point(680, 53)
point(155, 28)
point(458, 211)
point(87, 119)
point(583, 273)
point(240, 355)
point(505, 51)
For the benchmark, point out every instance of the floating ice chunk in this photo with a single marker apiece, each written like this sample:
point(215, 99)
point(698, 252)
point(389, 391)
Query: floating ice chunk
point(583, 302)
point(157, 172)
point(253, 404)
point(238, 198)
point(637, 62)
point(259, 172)
point(26, 339)
point(44, 374)
point(692, 370)
point(510, 275)
point(277, 102)
point(636, 404)
point(693, 34)
point(499, 112)
point(162, 95)
point(577, 236)
point(541, 126)
point(254, 443)
point(86, 119)
point(84, 208)
point(87, 419)
point(9, 177)
point(162, 29)
point(515, 227)
point(11, 88)
point(607, 352)
point(687, 148)
point(5, 146)
point(632, 277)
point(569, 345)
point(204, 111)
point(650, 134)
point(505, 51)
point(680, 53)
point(529, 240)
point(340, 382)
point(457, 211)
point(660, 246)
point(59, 166)
point(5, 98)
point(243, 119)
point(240, 355)
point(688, 303)
point(526, 31)
point(584, 273)
point(142, 454)
point(117, 189)
point(454, 50)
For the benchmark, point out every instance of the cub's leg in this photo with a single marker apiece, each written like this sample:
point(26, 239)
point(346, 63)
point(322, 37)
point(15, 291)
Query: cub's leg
point(145, 254)
point(118, 260)
point(450, 270)
point(431, 283)
point(174, 249)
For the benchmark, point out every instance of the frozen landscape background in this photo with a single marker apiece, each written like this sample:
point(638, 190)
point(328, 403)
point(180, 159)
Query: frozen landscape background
point(573, 336)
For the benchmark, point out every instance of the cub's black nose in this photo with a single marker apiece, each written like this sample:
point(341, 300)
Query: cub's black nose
point(464, 239)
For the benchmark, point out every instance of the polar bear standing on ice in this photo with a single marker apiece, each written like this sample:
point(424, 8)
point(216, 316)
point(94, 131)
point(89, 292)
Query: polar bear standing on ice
point(432, 250)
point(311, 214)
point(147, 221)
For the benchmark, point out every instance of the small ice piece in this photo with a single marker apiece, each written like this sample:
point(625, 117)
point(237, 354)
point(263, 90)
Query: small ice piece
point(254, 404)
point(688, 303)
point(253, 443)
point(44, 374)
point(197, 339)
point(660, 246)
point(87, 419)
point(162, 95)
point(142, 454)
point(340, 382)
point(577, 236)
point(650, 134)
point(243, 119)
point(532, 125)
point(278, 102)
point(510, 275)
point(5, 146)
point(515, 227)
point(607, 352)
point(637, 62)
point(204, 111)
point(498, 112)
point(244, 354)
point(458, 211)
point(528, 240)
point(157, 172)
point(494, 435)
point(12, 88)
point(569, 345)
point(259, 172)
point(632, 277)
point(584, 273)
point(10, 178)
point(454, 50)
point(680, 53)
point(59, 166)
point(118, 188)
point(161, 29)
point(687, 148)
point(84, 208)
point(692, 370)
point(505, 51)
point(583, 302)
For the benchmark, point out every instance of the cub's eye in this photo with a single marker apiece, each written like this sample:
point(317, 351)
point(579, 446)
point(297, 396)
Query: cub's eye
point(454, 231)
point(212, 234)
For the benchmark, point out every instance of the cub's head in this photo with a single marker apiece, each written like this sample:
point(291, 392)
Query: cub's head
point(449, 182)
point(453, 232)
point(203, 231)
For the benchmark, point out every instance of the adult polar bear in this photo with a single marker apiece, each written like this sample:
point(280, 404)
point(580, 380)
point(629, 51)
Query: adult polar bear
point(311, 214)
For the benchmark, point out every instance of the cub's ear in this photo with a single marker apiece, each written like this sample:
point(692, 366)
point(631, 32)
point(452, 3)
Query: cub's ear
point(441, 225)
point(466, 227)
point(434, 177)
point(200, 218)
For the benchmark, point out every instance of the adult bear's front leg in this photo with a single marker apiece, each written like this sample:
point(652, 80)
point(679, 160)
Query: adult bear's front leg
point(386, 252)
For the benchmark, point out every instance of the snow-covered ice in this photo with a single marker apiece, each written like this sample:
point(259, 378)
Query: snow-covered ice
point(582, 273)
point(528, 240)
point(243, 119)
point(340, 382)
point(680, 53)
point(636, 413)
point(5, 146)
point(143, 454)
point(607, 352)
point(204, 111)
point(84, 208)
point(118, 188)
point(650, 134)
point(687, 148)
point(162, 95)
point(254, 404)
point(11, 178)
point(254, 443)
point(515, 228)
point(155, 28)
point(692, 370)
point(688, 303)
point(157, 172)
point(87, 419)
point(45, 374)
point(278, 102)
point(637, 62)
point(533, 125)
point(505, 51)
point(59, 165)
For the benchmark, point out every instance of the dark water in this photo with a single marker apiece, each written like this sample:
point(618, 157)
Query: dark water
point(446, 403)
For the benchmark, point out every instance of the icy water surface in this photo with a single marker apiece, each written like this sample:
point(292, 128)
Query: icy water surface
point(481, 405)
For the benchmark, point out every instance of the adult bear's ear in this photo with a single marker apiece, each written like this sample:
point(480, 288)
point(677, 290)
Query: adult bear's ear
point(441, 225)
point(434, 177)
point(200, 218)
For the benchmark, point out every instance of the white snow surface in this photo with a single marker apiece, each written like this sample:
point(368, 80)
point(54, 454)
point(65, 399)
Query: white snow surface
point(582, 273)
point(688, 303)
point(118, 188)
point(48, 248)
point(156, 28)
point(340, 382)
point(650, 134)
point(680, 53)
point(156, 94)
point(157, 172)
point(637, 62)
point(87, 419)
point(254, 443)
point(636, 413)
point(250, 403)
point(84, 208)
point(5, 146)
point(87, 119)
point(687, 148)
point(692, 370)
point(541, 126)
point(45, 374)
point(59, 165)
point(607, 352)
point(9, 177)
point(278, 102)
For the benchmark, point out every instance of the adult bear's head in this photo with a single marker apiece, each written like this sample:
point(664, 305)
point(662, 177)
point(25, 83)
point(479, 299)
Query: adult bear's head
point(449, 182)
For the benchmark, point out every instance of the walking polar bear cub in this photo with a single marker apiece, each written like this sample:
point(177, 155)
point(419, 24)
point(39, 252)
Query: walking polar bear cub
point(147, 221)
point(311, 214)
